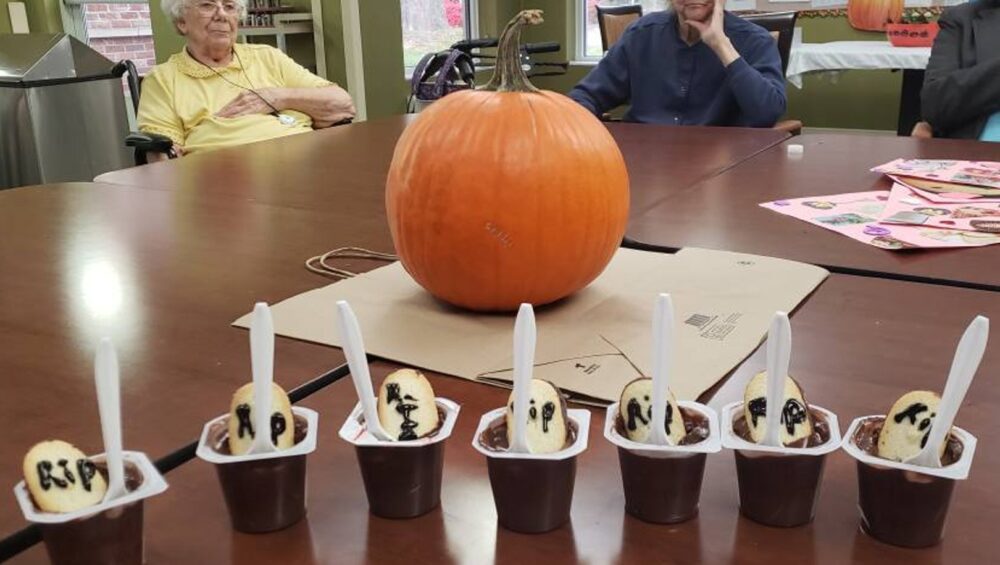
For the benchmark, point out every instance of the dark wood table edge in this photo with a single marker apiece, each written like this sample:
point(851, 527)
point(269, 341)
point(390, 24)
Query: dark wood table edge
point(629, 243)
point(25, 538)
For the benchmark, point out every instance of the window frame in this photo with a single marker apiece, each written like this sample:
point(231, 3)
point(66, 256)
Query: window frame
point(470, 28)
point(73, 20)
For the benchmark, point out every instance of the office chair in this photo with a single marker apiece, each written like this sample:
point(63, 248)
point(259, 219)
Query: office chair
point(613, 20)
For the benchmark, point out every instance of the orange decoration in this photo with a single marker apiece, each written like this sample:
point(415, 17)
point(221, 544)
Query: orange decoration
point(506, 194)
point(872, 15)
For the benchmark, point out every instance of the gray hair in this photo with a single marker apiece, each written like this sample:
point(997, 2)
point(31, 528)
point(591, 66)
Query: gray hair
point(175, 8)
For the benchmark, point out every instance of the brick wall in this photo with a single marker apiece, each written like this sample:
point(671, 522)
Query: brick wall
point(121, 31)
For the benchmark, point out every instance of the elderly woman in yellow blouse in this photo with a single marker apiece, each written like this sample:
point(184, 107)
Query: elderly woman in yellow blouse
point(217, 93)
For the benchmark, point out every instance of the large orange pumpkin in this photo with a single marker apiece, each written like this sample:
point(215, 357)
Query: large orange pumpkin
point(506, 194)
point(872, 15)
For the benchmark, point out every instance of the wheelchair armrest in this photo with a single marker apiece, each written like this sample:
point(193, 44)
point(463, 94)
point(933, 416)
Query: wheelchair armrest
point(150, 143)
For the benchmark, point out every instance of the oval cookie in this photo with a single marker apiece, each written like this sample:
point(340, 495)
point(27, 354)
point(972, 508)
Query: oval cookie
point(241, 420)
point(61, 478)
point(908, 425)
point(406, 407)
point(636, 409)
point(796, 424)
point(546, 418)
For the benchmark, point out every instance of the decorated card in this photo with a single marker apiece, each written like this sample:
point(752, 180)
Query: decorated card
point(857, 214)
point(975, 173)
point(905, 206)
point(937, 191)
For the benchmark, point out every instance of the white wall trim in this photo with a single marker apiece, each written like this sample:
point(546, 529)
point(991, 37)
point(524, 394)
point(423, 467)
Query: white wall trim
point(354, 57)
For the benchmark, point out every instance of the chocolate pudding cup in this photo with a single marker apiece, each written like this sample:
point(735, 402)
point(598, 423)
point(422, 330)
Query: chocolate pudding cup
point(263, 494)
point(533, 493)
point(663, 486)
point(780, 486)
point(898, 506)
point(402, 482)
point(113, 536)
point(402, 478)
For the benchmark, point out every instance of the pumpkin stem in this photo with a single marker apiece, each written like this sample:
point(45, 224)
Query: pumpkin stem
point(508, 76)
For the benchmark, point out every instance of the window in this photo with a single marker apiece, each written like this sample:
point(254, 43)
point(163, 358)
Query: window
point(588, 34)
point(433, 25)
point(117, 29)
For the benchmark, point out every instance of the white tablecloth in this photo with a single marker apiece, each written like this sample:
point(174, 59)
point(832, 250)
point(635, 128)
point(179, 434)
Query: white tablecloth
point(844, 55)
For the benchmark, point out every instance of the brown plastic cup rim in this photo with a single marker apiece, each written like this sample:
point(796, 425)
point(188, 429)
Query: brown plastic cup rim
point(730, 440)
point(208, 453)
point(580, 417)
point(355, 432)
point(711, 444)
point(959, 470)
point(152, 484)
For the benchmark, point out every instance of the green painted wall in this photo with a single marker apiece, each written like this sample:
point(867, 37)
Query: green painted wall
point(382, 46)
point(4, 17)
point(858, 99)
point(43, 16)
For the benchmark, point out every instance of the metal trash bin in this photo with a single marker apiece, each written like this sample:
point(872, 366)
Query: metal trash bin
point(62, 112)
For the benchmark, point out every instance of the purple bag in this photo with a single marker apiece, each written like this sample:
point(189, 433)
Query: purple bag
point(440, 74)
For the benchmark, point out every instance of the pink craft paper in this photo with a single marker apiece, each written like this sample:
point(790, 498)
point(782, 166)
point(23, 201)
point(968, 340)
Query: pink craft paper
point(976, 173)
point(905, 206)
point(856, 216)
point(944, 198)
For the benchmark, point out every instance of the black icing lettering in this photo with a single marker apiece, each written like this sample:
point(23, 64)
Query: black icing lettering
point(758, 409)
point(44, 470)
point(548, 412)
point(635, 412)
point(793, 414)
point(243, 416)
point(278, 426)
point(911, 413)
point(532, 413)
point(407, 428)
point(86, 469)
point(67, 474)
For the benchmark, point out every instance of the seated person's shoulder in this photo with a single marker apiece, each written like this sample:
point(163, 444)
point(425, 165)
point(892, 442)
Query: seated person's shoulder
point(164, 72)
point(960, 13)
point(261, 52)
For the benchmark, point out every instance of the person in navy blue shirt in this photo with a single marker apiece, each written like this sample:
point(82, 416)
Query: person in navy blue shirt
point(693, 65)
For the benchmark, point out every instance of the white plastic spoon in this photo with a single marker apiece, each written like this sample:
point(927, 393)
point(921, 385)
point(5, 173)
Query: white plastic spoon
point(354, 350)
point(963, 368)
point(109, 405)
point(779, 353)
point(663, 341)
point(262, 365)
point(524, 361)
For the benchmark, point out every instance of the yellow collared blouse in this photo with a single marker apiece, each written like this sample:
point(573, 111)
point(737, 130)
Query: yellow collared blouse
point(181, 97)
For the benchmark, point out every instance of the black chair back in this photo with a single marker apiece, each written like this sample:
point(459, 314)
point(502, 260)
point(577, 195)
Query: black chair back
point(781, 25)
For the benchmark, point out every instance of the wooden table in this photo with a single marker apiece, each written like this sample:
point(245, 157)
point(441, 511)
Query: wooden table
point(859, 344)
point(163, 267)
point(163, 274)
point(344, 168)
point(723, 212)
